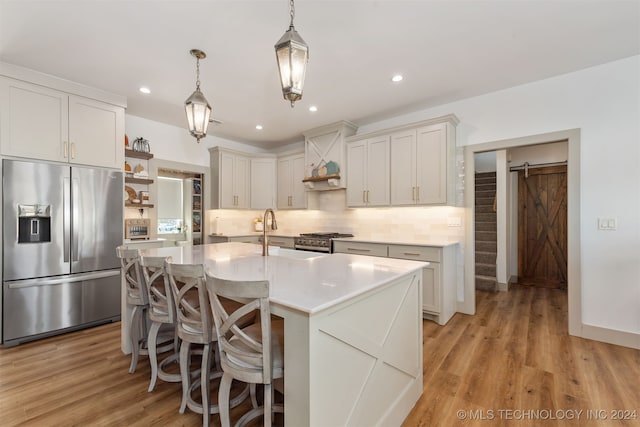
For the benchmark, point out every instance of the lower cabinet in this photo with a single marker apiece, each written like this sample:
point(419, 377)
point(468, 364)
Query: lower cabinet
point(439, 280)
point(250, 238)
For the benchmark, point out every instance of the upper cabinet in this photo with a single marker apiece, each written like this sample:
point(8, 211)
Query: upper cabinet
point(291, 191)
point(38, 122)
point(326, 145)
point(263, 183)
point(368, 172)
point(404, 166)
point(421, 161)
point(230, 173)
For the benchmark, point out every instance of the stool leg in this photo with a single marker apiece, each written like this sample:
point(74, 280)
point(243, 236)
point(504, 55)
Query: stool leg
point(153, 357)
point(184, 373)
point(223, 399)
point(268, 403)
point(134, 334)
point(205, 370)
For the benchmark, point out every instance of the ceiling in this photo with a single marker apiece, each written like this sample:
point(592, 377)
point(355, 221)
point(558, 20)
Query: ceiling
point(446, 50)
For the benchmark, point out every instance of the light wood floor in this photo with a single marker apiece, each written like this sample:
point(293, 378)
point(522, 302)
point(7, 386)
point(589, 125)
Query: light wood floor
point(513, 355)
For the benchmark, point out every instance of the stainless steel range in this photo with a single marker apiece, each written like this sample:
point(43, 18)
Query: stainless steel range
point(317, 242)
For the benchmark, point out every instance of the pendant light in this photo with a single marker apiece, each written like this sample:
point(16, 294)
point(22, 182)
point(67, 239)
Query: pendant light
point(292, 54)
point(197, 107)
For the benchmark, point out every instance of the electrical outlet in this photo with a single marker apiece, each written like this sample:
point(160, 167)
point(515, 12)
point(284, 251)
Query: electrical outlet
point(454, 221)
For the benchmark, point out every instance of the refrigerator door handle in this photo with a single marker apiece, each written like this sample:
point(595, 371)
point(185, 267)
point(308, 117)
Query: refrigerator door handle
point(75, 194)
point(66, 218)
point(61, 279)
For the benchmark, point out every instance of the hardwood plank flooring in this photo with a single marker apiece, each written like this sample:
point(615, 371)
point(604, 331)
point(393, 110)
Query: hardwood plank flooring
point(513, 355)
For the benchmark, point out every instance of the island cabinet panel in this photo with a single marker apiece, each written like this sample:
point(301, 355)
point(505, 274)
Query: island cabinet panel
point(376, 342)
point(42, 123)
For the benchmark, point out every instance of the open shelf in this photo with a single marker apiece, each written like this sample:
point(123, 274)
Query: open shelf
point(137, 154)
point(137, 205)
point(132, 180)
point(321, 178)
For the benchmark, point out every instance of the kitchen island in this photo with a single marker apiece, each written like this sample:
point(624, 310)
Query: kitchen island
point(353, 328)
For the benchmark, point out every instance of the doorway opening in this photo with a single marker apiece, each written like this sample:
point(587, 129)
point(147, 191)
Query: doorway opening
point(506, 235)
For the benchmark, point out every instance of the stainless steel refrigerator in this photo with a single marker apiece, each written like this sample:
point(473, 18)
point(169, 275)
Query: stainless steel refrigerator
point(61, 226)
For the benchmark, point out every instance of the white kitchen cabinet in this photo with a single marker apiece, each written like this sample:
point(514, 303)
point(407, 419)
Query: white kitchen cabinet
point(360, 248)
point(280, 241)
point(439, 279)
point(291, 192)
point(96, 133)
point(422, 163)
point(263, 183)
point(439, 282)
point(368, 172)
point(230, 174)
point(38, 122)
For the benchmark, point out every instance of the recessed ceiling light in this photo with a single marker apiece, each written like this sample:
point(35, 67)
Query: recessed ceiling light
point(313, 108)
point(145, 90)
point(259, 127)
point(397, 78)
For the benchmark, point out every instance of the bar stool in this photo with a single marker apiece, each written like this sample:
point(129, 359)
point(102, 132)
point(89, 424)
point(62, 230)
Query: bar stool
point(195, 326)
point(136, 297)
point(253, 354)
point(161, 314)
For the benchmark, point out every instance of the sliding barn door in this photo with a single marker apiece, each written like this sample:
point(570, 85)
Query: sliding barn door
point(542, 227)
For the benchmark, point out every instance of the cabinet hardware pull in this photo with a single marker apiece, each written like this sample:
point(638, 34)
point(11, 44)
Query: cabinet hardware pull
point(411, 254)
point(73, 150)
point(364, 199)
point(66, 149)
point(358, 250)
point(413, 193)
point(367, 196)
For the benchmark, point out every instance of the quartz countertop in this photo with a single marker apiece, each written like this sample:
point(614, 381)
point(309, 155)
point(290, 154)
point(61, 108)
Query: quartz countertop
point(400, 241)
point(305, 281)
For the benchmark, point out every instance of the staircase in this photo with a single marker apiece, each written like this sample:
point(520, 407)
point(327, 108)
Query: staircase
point(486, 242)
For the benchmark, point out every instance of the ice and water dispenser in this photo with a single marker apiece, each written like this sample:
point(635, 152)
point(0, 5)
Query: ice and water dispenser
point(34, 223)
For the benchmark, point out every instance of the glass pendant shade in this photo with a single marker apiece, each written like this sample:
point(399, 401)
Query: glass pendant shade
point(198, 114)
point(292, 54)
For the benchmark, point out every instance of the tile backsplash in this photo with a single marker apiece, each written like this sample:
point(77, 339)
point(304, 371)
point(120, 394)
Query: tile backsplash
point(327, 211)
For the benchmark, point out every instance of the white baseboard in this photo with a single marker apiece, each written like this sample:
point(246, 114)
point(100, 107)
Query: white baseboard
point(503, 287)
point(611, 336)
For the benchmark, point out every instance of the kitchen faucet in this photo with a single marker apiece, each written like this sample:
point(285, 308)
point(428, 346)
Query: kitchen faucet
point(274, 226)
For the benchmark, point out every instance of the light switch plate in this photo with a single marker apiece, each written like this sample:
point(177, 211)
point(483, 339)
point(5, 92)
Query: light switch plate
point(608, 224)
point(454, 221)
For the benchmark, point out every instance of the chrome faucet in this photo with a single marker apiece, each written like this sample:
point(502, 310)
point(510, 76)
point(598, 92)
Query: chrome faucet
point(274, 226)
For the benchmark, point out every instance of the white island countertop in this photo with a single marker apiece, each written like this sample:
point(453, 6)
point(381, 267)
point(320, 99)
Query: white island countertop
point(305, 281)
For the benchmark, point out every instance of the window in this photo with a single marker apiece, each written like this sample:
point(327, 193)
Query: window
point(170, 206)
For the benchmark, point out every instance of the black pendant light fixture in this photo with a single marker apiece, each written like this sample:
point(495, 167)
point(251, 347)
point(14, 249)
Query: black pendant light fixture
point(197, 107)
point(292, 54)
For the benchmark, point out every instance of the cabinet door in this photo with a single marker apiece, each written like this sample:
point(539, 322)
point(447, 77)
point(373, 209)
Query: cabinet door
point(431, 155)
point(298, 192)
point(285, 171)
point(431, 288)
point(263, 185)
point(33, 121)
point(226, 178)
point(357, 173)
point(96, 133)
point(378, 171)
point(241, 183)
point(403, 168)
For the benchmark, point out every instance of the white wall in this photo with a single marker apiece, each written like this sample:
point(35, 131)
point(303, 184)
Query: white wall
point(604, 103)
point(176, 144)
